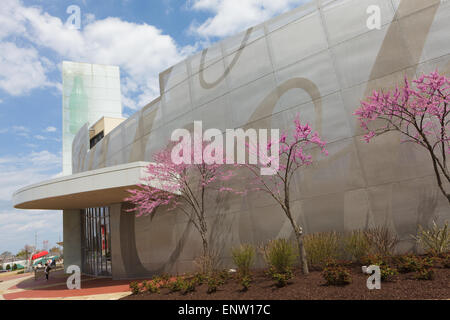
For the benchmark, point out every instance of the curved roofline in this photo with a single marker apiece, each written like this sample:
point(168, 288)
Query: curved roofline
point(82, 190)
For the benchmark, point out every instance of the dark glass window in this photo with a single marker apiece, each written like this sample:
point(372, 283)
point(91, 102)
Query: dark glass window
point(96, 241)
point(96, 139)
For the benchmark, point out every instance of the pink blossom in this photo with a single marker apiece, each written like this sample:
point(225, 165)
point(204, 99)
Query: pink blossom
point(419, 110)
point(295, 152)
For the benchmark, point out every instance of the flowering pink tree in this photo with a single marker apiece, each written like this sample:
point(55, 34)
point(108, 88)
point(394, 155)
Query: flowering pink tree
point(295, 152)
point(420, 112)
point(183, 185)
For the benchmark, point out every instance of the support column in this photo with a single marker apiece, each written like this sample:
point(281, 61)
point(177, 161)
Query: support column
point(72, 238)
point(118, 268)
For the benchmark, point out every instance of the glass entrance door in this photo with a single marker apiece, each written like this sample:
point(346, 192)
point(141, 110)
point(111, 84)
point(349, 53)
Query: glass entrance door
point(96, 241)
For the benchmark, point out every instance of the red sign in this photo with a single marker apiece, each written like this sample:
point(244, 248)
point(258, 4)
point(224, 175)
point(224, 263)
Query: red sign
point(103, 239)
point(39, 255)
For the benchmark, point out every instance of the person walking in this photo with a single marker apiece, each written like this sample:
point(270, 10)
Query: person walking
point(47, 270)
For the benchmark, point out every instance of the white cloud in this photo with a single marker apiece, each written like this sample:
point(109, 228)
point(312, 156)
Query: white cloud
point(141, 50)
point(22, 225)
point(17, 227)
point(50, 129)
point(39, 137)
point(88, 18)
point(19, 171)
point(10, 19)
point(20, 129)
point(44, 159)
point(21, 69)
point(232, 16)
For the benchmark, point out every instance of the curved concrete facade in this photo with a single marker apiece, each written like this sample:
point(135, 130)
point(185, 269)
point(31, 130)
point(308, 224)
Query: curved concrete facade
point(318, 60)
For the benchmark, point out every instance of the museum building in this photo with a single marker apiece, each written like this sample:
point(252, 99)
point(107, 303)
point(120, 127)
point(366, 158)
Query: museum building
point(319, 61)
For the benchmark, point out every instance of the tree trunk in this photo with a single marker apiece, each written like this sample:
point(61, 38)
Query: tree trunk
point(437, 174)
point(206, 259)
point(205, 246)
point(301, 248)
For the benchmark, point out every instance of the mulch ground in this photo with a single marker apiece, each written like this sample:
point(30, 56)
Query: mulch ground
point(312, 287)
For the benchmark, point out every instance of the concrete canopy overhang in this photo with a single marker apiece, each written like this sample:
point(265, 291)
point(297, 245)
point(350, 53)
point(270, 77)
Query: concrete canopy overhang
point(88, 189)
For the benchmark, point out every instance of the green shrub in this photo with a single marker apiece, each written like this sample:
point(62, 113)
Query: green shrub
point(446, 263)
point(336, 275)
point(382, 240)
point(199, 278)
point(425, 274)
point(162, 280)
point(446, 260)
point(187, 286)
point(165, 277)
point(246, 282)
point(421, 266)
point(434, 240)
point(152, 287)
point(1, 266)
point(374, 259)
point(356, 245)
point(21, 272)
point(320, 247)
point(224, 276)
point(408, 263)
point(387, 273)
point(282, 279)
point(427, 262)
point(14, 267)
point(280, 255)
point(243, 257)
point(8, 267)
point(135, 288)
point(213, 284)
point(411, 263)
point(175, 285)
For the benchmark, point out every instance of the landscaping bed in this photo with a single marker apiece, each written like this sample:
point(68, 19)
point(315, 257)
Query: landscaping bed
point(312, 287)
point(336, 262)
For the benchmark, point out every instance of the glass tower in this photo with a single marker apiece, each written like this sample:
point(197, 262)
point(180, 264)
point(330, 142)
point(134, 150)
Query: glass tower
point(90, 92)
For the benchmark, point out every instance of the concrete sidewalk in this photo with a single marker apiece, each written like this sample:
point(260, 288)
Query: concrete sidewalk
point(25, 287)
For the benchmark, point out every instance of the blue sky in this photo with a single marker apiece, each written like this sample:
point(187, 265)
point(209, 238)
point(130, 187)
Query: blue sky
point(142, 37)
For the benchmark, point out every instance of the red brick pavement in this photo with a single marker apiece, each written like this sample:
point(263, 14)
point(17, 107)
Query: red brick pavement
point(91, 287)
point(56, 287)
point(53, 280)
point(5, 278)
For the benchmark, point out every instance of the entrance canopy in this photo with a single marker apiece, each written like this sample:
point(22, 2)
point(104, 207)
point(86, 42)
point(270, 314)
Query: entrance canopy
point(89, 189)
